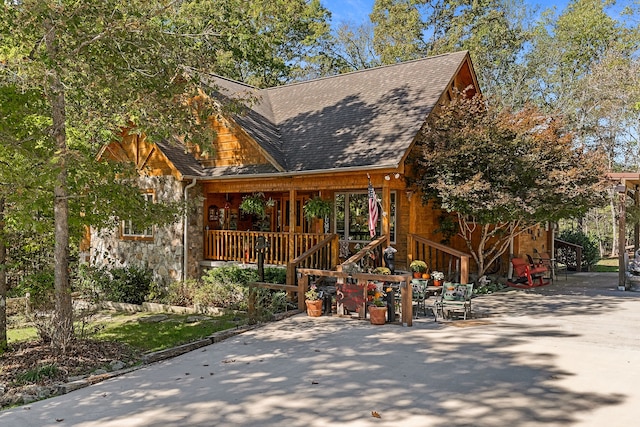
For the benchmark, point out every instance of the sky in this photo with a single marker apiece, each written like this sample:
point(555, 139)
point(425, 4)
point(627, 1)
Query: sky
point(357, 11)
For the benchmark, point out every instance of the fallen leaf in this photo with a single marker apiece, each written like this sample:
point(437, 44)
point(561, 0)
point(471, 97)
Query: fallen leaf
point(314, 382)
point(59, 420)
point(374, 414)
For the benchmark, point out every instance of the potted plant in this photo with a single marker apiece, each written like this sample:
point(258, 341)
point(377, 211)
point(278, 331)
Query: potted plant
point(378, 309)
point(313, 302)
point(437, 277)
point(317, 208)
point(382, 270)
point(317, 211)
point(255, 204)
point(418, 267)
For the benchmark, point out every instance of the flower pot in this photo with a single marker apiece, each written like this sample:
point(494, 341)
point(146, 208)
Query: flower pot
point(314, 308)
point(417, 275)
point(377, 315)
point(437, 283)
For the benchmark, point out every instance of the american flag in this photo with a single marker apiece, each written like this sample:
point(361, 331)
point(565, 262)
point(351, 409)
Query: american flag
point(373, 211)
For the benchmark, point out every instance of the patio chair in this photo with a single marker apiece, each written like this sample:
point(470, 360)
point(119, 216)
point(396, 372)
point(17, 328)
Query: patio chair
point(454, 298)
point(419, 295)
point(528, 275)
point(552, 264)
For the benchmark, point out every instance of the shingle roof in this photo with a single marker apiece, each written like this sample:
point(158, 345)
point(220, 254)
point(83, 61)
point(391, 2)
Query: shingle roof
point(362, 119)
point(182, 160)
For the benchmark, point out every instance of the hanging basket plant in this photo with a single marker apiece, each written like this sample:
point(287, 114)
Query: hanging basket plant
point(317, 208)
point(255, 204)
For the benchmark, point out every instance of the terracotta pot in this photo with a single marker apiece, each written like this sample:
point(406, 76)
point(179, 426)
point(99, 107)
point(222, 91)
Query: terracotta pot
point(417, 275)
point(437, 283)
point(314, 308)
point(377, 315)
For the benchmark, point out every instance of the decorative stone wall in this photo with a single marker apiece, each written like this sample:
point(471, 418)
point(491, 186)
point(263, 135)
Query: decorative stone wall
point(163, 255)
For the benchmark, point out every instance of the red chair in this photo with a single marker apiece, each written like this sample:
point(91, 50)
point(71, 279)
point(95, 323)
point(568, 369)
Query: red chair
point(527, 275)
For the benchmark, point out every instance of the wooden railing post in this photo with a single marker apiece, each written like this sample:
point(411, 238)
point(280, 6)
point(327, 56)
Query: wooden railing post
point(406, 300)
point(464, 270)
point(302, 288)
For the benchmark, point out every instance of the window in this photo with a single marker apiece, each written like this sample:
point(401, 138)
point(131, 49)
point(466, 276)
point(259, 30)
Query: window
point(352, 216)
point(129, 228)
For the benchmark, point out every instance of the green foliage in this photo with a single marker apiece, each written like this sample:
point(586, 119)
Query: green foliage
point(40, 373)
point(215, 293)
point(317, 208)
point(489, 288)
point(275, 275)
point(232, 274)
point(255, 204)
point(129, 285)
point(590, 253)
point(40, 288)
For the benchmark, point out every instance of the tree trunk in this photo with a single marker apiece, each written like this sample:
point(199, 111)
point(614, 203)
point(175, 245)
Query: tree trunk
point(63, 318)
point(3, 282)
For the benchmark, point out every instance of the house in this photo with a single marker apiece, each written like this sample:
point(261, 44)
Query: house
point(326, 138)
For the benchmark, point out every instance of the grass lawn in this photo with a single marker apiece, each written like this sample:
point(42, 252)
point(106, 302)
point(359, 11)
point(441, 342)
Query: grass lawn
point(132, 329)
point(606, 265)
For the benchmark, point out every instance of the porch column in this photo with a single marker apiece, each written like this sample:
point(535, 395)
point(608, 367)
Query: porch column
point(386, 208)
point(636, 228)
point(621, 189)
point(292, 223)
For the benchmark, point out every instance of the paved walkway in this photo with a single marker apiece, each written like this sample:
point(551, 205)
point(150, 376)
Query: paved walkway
point(563, 355)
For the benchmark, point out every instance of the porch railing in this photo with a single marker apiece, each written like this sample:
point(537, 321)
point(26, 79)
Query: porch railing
point(323, 256)
point(368, 257)
point(453, 263)
point(239, 246)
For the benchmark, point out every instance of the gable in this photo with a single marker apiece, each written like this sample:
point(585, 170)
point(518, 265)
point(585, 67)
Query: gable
point(147, 157)
point(358, 120)
point(232, 147)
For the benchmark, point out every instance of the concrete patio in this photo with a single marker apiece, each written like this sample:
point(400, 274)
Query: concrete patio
point(563, 355)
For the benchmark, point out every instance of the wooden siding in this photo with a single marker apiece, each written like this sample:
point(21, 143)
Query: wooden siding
point(146, 156)
point(232, 147)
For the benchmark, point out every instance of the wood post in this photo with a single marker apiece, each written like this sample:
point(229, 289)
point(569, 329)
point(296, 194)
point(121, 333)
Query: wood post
point(302, 288)
point(406, 301)
point(622, 193)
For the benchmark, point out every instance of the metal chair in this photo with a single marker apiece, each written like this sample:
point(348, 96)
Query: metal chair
point(419, 295)
point(454, 298)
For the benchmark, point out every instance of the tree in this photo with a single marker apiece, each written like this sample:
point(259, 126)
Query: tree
point(582, 66)
point(103, 65)
point(398, 28)
point(501, 172)
point(265, 42)
point(494, 32)
point(353, 45)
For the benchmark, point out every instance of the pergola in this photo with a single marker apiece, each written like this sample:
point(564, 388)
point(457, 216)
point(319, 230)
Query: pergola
point(627, 184)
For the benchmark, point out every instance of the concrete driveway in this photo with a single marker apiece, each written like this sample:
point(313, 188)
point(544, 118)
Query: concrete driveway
point(563, 355)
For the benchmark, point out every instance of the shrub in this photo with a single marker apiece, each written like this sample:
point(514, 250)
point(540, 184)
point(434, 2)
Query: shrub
point(129, 284)
point(215, 292)
point(40, 287)
point(275, 275)
point(178, 293)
